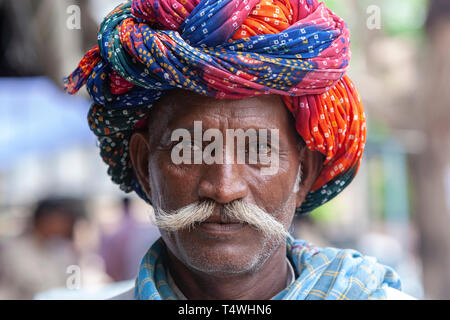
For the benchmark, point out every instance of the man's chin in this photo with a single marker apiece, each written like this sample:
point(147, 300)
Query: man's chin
point(223, 255)
point(228, 265)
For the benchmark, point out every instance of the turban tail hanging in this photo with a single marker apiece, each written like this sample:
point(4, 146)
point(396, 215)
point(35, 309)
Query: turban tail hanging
point(226, 49)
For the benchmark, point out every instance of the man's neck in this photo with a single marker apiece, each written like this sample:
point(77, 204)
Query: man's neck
point(260, 285)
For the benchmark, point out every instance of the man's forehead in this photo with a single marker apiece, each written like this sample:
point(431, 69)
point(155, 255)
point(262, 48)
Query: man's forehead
point(182, 108)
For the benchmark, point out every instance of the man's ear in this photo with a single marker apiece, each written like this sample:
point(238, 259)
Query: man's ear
point(139, 155)
point(311, 165)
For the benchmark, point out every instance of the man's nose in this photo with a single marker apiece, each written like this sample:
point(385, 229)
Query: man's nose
point(223, 183)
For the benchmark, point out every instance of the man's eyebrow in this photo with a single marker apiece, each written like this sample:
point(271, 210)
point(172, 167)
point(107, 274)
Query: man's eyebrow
point(167, 135)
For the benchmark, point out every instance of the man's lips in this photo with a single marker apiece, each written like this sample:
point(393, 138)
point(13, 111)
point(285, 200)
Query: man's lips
point(220, 224)
point(221, 228)
point(221, 219)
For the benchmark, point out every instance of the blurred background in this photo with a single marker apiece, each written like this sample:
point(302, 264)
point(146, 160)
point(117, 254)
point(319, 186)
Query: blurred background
point(63, 224)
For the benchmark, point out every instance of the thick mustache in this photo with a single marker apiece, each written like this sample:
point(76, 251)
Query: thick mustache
point(189, 216)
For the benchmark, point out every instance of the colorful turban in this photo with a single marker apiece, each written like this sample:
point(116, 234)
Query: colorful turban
point(232, 49)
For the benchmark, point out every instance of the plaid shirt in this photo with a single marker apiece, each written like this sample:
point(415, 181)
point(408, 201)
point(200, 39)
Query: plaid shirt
point(321, 273)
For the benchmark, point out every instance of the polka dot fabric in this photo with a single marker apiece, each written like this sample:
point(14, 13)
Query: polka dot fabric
point(231, 49)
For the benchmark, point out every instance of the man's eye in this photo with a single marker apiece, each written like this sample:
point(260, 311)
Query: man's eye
point(192, 145)
point(260, 148)
point(264, 148)
point(186, 145)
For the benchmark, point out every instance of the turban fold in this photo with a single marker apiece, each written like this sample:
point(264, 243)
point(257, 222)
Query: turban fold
point(226, 49)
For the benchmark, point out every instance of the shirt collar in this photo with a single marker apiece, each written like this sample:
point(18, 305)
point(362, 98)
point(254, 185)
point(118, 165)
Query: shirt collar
point(181, 296)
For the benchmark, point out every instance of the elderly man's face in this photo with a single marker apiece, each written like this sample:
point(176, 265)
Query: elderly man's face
point(216, 248)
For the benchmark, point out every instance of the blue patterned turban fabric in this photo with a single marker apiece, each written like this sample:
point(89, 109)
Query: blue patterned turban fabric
point(226, 49)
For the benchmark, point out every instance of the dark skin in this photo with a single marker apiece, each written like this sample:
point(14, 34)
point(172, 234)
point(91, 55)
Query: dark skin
point(245, 264)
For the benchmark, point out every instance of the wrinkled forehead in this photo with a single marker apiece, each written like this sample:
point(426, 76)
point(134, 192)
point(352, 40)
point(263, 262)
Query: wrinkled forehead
point(180, 108)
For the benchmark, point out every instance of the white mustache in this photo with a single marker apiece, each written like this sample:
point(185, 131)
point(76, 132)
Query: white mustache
point(191, 215)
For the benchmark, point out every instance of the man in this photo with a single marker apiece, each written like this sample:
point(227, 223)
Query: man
point(175, 84)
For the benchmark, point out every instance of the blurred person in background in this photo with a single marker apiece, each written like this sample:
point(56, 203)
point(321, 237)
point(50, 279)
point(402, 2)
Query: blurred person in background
point(38, 260)
point(122, 250)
